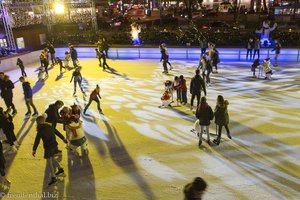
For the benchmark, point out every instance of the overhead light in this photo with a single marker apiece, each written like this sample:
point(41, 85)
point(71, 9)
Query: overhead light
point(59, 8)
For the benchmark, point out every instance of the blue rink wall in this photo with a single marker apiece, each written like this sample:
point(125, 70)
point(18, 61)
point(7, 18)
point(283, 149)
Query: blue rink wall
point(226, 54)
point(180, 53)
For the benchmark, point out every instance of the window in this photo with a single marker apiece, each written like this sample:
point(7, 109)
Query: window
point(20, 43)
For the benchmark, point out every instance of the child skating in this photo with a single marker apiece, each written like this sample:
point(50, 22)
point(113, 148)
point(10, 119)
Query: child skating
point(95, 96)
point(77, 77)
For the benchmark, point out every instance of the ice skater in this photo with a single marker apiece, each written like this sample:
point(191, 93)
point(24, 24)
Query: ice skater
point(21, 65)
point(204, 115)
point(28, 97)
point(206, 67)
point(221, 118)
point(76, 136)
point(254, 66)
point(52, 53)
point(277, 51)
point(167, 54)
point(67, 59)
point(2, 165)
point(197, 85)
point(7, 87)
point(183, 90)
point(98, 55)
point(267, 68)
point(77, 80)
point(74, 57)
point(60, 63)
point(103, 57)
point(176, 87)
point(42, 76)
point(95, 96)
point(47, 133)
point(7, 125)
point(164, 58)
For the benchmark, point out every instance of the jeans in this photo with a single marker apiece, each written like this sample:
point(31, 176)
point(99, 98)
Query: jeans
point(198, 94)
point(52, 163)
point(220, 132)
point(256, 51)
point(89, 103)
point(249, 51)
point(29, 103)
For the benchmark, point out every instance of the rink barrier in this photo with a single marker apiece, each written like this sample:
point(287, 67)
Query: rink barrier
point(180, 53)
point(226, 54)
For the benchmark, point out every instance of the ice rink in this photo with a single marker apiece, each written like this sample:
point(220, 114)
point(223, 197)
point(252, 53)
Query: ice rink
point(139, 151)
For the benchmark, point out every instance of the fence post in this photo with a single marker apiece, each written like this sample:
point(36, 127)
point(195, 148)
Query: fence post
point(298, 55)
point(187, 53)
point(239, 54)
point(117, 53)
point(268, 53)
point(139, 53)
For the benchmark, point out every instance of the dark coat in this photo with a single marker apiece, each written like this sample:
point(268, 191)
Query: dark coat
point(6, 90)
point(277, 48)
point(27, 90)
point(47, 133)
point(2, 161)
point(204, 114)
point(189, 193)
point(164, 55)
point(73, 54)
point(52, 115)
point(221, 115)
point(197, 84)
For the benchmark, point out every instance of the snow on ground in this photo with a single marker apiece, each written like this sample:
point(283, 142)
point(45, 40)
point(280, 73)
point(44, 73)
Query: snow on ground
point(139, 151)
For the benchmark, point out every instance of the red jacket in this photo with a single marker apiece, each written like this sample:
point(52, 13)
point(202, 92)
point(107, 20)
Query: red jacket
point(183, 85)
point(94, 94)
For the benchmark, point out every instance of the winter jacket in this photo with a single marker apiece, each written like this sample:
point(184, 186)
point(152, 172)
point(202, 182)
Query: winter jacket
point(47, 133)
point(221, 115)
point(27, 90)
point(182, 86)
point(73, 54)
point(164, 55)
point(52, 114)
point(51, 49)
point(20, 64)
point(94, 95)
point(197, 84)
point(6, 90)
point(204, 114)
point(277, 48)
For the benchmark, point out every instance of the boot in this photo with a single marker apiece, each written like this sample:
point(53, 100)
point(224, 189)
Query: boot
point(60, 171)
point(216, 141)
point(12, 149)
point(53, 180)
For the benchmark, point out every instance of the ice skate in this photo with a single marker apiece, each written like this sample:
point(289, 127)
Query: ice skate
point(53, 181)
point(27, 115)
point(35, 114)
point(12, 150)
point(60, 172)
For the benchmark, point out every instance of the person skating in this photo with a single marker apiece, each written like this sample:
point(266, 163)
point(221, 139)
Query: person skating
point(47, 133)
point(44, 58)
point(52, 53)
point(103, 57)
point(195, 190)
point(7, 94)
point(221, 118)
point(254, 66)
point(60, 63)
point(74, 57)
point(67, 59)
point(204, 114)
point(95, 96)
point(98, 55)
point(206, 67)
point(250, 45)
point(267, 68)
point(167, 55)
point(183, 89)
point(164, 58)
point(277, 51)
point(21, 65)
point(7, 125)
point(256, 48)
point(53, 113)
point(2, 165)
point(77, 80)
point(28, 97)
point(213, 54)
point(197, 85)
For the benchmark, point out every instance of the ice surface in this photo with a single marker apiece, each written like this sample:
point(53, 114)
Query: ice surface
point(140, 151)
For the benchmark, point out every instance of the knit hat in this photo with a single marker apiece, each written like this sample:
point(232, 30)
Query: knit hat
point(199, 184)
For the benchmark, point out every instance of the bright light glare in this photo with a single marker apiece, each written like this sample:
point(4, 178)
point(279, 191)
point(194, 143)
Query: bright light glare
point(59, 8)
